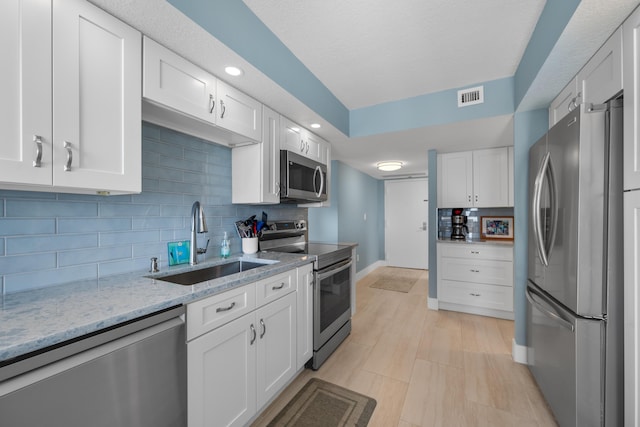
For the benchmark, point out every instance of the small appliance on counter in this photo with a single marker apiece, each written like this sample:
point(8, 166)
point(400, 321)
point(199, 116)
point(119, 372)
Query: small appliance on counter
point(459, 229)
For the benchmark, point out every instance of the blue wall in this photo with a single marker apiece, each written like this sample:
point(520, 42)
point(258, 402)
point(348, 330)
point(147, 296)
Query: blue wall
point(354, 195)
point(528, 128)
point(50, 238)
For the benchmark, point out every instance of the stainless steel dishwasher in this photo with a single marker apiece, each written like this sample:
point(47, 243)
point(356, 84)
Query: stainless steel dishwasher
point(130, 375)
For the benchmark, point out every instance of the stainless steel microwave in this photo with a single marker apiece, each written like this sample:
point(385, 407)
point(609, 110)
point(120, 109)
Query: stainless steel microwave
point(302, 180)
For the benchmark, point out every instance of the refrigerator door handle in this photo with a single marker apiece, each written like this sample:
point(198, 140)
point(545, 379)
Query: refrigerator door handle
point(548, 312)
point(544, 246)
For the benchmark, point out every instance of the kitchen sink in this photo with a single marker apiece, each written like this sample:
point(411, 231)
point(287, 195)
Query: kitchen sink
point(210, 273)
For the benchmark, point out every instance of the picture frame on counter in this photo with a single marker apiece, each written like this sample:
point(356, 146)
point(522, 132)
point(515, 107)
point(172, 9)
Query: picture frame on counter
point(496, 227)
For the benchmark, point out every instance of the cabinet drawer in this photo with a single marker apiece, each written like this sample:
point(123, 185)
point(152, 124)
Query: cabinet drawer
point(476, 251)
point(476, 294)
point(272, 288)
point(213, 312)
point(477, 271)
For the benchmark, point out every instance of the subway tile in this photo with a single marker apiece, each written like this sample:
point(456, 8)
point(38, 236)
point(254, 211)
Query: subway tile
point(151, 131)
point(2, 242)
point(157, 223)
point(122, 209)
point(159, 250)
point(178, 163)
point(123, 238)
point(157, 198)
point(12, 194)
point(38, 208)
point(82, 225)
point(69, 258)
point(20, 263)
point(23, 227)
point(44, 278)
point(179, 187)
point(34, 244)
point(125, 266)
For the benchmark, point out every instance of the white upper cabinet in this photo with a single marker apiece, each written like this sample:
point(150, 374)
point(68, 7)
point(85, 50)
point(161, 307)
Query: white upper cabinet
point(179, 86)
point(631, 29)
point(455, 179)
point(97, 129)
point(474, 178)
point(70, 98)
point(295, 138)
point(255, 169)
point(176, 83)
point(601, 77)
point(25, 93)
point(566, 101)
point(238, 112)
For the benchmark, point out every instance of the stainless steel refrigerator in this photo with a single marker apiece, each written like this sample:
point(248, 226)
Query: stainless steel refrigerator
point(574, 289)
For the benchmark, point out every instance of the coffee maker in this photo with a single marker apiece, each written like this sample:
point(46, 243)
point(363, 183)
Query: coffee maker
point(459, 227)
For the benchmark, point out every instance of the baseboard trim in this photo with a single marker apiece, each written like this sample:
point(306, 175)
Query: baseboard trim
point(432, 303)
point(519, 352)
point(360, 274)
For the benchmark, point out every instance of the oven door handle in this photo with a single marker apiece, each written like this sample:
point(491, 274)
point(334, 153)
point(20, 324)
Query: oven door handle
point(323, 274)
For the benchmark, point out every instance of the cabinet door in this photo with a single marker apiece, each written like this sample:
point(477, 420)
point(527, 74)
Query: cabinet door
point(238, 112)
point(601, 77)
point(97, 129)
point(291, 136)
point(25, 92)
point(221, 371)
point(304, 315)
point(174, 82)
point(564, 102)
point(631, 100)
point(276, 324)
point(455, 179)
point(491, 177)
point(255, 168)
point(632, 304)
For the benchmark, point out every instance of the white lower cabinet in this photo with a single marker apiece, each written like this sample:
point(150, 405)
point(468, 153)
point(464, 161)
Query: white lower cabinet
point(305, 315)
point(241, 350)
point(476, 278)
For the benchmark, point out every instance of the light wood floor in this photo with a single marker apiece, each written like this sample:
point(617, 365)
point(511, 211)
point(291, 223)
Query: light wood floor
point(426, 367)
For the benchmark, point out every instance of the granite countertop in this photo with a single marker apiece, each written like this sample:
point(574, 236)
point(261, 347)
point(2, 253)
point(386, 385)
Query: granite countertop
point(476, 241)
point(33, 320)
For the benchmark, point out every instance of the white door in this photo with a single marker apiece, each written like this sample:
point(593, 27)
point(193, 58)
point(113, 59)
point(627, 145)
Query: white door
point(406, 223)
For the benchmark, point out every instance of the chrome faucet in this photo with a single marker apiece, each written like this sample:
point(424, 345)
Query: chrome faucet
point(198, 225)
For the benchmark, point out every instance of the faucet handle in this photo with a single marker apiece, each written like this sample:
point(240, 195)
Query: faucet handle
point(204, 250)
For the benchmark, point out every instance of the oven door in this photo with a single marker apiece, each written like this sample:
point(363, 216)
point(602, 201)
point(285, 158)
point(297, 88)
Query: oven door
point(302, 179)
point(332, 301)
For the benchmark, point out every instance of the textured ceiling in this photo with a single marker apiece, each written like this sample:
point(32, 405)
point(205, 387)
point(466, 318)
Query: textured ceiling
point(372, 51)
point(369, 51)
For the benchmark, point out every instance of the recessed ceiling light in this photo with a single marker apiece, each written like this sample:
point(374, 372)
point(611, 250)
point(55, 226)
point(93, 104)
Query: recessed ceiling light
point(389, 166)
point(315, 125)
point(233, 71)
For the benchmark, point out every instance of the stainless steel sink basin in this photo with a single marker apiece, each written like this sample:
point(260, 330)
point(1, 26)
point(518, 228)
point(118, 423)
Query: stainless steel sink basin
point(209, 273)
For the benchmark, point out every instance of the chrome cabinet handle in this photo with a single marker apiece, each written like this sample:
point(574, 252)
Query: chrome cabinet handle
point(67, 166)
point(221, 309)
point(264, 328)
point(474, 271)
point(38, 161)
point(223, 108)
point(475, 252)
point(301, 145)
point(469, 198)
point(253, 331)
point(275, 288)
point(474, 294)
point(212, 102)
point(307, 149)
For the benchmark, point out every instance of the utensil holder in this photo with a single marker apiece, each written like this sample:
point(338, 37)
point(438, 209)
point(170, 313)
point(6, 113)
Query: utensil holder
point(249, 245)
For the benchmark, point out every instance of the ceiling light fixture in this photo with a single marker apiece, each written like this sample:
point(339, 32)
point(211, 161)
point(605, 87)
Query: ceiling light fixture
point(389, 166)
point(315, 125)
point(233, 71)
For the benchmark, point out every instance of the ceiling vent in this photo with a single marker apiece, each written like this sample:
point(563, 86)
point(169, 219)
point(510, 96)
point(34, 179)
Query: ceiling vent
point(471, 96)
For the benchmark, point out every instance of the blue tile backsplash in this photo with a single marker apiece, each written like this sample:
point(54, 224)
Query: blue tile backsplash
point(53, 238)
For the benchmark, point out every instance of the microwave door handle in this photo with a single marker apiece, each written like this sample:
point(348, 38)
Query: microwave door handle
point(315, 173)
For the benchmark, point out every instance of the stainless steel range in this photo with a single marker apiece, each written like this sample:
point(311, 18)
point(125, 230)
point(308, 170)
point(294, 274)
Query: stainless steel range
point(332, 283)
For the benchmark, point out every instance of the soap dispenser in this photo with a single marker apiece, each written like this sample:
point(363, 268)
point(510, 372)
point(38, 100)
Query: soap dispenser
point(225, 248)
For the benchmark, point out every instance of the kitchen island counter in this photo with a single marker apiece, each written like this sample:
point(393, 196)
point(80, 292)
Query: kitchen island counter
point(36, 319)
